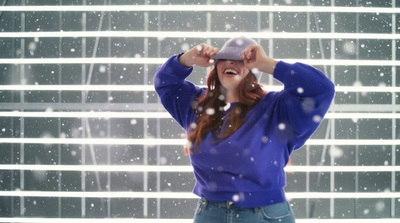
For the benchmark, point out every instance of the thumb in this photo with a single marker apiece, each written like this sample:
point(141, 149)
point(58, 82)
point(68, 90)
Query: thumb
point(250, 53)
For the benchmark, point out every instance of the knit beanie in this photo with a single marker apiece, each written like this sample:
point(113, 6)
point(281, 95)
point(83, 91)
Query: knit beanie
point(232, 50)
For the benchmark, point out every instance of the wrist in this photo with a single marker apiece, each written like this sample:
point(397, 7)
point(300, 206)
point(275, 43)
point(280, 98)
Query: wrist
point(269, 65)
point(183, 59)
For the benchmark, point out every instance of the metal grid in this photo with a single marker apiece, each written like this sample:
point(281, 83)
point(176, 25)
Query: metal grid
point(129, 162)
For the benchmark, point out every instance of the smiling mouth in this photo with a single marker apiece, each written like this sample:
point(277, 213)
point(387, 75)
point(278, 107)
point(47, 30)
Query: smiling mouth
point(231, 72)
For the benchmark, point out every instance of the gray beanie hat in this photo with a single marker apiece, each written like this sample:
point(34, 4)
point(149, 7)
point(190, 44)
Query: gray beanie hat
point(232, 50)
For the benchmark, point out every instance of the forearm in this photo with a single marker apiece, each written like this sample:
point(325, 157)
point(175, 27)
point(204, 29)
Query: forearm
point(186, 60)
point(269, 65)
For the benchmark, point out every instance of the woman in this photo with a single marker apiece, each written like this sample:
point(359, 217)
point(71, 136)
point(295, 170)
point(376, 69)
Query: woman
point(242, 136)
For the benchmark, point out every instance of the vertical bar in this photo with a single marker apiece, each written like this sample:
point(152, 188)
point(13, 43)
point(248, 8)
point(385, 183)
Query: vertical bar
point(158, 126)
point(308, 51)
point(13, 81)
point(145, 121)
point(357, 102)
point(258, 21)
point(59, 119)
point(22, 123)
point(208, 41)
point(158, 163)
point(271, 41)
point(83, 124)
point(259, 27)
point(108, 188)
point(393, 175)
point(332, 126)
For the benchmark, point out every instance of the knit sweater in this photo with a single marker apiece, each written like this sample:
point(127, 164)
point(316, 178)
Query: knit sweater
point(248, 166)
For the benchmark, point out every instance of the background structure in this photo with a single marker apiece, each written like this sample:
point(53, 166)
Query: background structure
point(84, 136)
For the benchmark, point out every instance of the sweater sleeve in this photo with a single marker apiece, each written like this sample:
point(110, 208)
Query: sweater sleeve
point(304, 101)
point(176, 93)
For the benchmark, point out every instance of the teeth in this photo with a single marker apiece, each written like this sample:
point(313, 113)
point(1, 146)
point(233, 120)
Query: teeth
point(230, 71)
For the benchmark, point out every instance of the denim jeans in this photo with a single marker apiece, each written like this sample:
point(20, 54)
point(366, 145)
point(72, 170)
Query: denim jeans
point(228, 212)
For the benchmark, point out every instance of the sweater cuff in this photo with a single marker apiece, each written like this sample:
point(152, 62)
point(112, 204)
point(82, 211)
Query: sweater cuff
point(281, 71)
point(178, 68)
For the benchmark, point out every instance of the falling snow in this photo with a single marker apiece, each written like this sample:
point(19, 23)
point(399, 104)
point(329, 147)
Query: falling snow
point(152, 50)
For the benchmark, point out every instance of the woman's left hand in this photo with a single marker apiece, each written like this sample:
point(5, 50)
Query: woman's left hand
point(254, 57)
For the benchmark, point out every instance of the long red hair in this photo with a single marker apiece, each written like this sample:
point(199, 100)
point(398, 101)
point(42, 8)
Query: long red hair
point(210, 108)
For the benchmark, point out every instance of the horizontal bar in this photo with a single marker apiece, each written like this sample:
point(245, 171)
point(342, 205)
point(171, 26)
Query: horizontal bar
point(113, 60)
point(188, 168)
point(203, 35)
point(328, 195)
point(198, 8)
point(187, 195)
point(365, 89)
point(180, 220)
point(95, 194)
point(364, 108)
point(95, 141)
point(128, 107)
point(346, 89)
point(77, 87)
point(181, 142)
point(101, 168)
point(98, 60)
point(362, 115)
point(100, 220)
point(87, 114)
point(50, 114)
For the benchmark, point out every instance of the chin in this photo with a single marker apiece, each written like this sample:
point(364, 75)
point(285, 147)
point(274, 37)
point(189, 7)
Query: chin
point(228, 86)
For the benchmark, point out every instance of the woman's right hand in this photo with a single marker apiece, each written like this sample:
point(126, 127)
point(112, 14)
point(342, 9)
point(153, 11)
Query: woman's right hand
point(199, 55)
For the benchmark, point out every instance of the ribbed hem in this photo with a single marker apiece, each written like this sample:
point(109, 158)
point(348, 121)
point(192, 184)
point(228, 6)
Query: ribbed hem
point(246, 199)
point(282, 70)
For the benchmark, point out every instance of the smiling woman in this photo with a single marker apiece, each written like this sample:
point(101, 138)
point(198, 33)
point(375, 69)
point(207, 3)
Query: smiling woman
point(76, 90)
point(241, 137)
point(231, 73)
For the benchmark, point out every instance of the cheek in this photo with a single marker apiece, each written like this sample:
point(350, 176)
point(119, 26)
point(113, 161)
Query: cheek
point(219, 69)
point(219, 76)
point(245, 72)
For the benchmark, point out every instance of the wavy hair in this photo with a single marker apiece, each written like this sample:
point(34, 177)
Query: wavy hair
point(210, 108)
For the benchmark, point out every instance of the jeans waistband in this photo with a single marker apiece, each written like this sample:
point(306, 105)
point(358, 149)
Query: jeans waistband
point(246, 199)
point(227, 205)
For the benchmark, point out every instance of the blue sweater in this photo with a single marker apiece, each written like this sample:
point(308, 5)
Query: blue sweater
point(248, 167)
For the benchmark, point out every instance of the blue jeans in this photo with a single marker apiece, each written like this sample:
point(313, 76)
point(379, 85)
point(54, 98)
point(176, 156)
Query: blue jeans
point(228, 212)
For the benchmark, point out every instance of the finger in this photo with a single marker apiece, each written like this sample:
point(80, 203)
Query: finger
point(203, 50)
point(214, 51)
point(245, 59)
point(249, 54)
point(254, 52)
point(210, 51)
point(244, 56)
point(206, 49)
point(244, 53)
point(199, 48)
